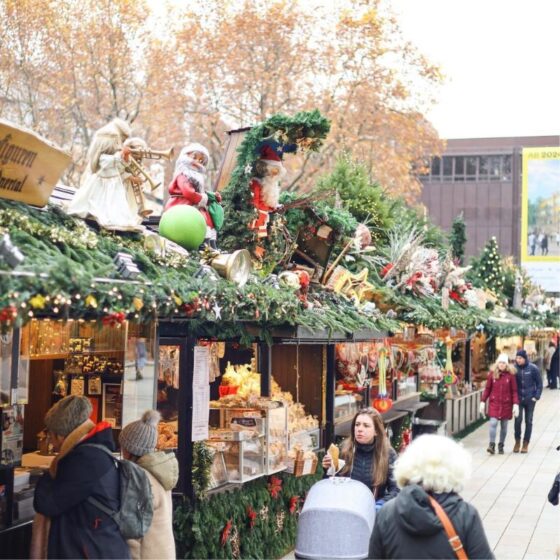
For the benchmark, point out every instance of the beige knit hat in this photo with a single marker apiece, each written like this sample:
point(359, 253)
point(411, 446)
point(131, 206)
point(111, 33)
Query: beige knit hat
point(140, 437)
point(67, 414)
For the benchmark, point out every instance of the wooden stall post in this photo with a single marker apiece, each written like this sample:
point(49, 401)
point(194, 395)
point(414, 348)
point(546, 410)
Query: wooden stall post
point(329, 356)
point(265, 367)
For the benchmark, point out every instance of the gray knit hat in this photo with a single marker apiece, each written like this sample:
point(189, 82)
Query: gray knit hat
point(140, 437)
point(67, 414)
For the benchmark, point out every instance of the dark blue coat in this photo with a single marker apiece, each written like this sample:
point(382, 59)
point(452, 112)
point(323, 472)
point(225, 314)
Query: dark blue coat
point(79, 529)
point(529, 382)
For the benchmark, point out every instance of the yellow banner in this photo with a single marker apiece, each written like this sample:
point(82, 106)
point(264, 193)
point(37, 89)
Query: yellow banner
point(30, 165)
point(540, 216)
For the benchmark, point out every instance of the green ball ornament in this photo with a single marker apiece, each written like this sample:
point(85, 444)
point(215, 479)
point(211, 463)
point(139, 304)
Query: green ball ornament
point(184, 225)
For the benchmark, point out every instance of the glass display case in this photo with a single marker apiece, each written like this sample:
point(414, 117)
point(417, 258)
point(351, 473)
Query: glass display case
point(346, 405)
point(269, 423)
point(305, 439)
point(242, 454)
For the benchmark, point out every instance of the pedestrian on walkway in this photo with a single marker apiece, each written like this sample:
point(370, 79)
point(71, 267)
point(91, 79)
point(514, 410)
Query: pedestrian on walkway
point(501, 394)
point(547, 360)
point(138, 443)
point(431, 472)
point(529, 389)
point(368, 456)
point(78, 529)
point(554, 369)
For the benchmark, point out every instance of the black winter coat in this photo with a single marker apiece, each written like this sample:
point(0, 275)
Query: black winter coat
point(529, 382)
point(407, 527)
point(78, 529)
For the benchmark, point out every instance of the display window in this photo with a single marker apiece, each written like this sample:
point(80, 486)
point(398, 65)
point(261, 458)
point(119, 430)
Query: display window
point(114, 367)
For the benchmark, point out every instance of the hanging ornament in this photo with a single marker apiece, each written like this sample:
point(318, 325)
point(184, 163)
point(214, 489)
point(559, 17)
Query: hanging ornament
point(90, 301)
point(138, 303)
point(280, 516)
point(114, 319)
point(38, 301)
point(382, 403)
point(449, 376)
point(8, 314)
point(275, 486)
point(225, 533)
point(235, 543)
point(294, 502)
point(251, 516)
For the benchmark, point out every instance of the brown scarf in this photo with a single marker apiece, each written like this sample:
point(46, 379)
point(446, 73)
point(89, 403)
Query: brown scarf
point(41, 523)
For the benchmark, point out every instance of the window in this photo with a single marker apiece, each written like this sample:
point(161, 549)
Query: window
point(459, 174)
point(436, 169)
point(447, 167)
point(506, 168)
point(471, 168)
point(495, 164)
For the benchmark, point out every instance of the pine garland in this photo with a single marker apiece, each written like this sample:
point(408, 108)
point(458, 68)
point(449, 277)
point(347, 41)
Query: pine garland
point(199, 529)
point(305, 130)
point(63, 258)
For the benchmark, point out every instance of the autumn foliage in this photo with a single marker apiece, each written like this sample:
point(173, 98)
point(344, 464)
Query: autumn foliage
point(191, 71)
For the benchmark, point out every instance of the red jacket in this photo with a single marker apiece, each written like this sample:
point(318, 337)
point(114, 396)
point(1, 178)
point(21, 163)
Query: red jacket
point(182, 191)
point(503, 395)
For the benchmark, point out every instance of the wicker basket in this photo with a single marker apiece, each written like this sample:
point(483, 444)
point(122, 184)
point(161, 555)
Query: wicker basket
point(300, 466)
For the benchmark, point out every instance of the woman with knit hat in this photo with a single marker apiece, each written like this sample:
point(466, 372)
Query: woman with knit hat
point(138, 443)
point(78, 529)
point(501, 394)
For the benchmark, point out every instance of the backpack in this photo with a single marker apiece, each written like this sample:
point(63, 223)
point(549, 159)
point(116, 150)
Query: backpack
point(135, 514)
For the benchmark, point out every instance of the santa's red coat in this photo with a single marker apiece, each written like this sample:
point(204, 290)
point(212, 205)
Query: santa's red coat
point(261, 223)
point(501, 394)
point(182, 191)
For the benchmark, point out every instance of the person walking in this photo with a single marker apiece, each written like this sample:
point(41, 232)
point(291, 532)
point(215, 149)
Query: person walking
point(421, 520)
point(78, 529)
point(138, 444)
point(547, 362)
point(501, 394)
point(532, 243)
point(368, 456)
point(554, 369)
point(529, 389)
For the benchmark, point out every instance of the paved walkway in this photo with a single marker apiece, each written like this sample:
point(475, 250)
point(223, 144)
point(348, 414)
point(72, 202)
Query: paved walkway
point(510, 490)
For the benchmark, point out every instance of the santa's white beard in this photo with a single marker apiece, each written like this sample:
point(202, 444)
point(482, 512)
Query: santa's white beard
point(193, 171)
point(271, 191)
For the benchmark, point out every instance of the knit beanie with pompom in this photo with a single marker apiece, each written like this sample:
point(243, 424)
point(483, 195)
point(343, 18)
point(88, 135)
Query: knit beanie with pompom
point(140, 437)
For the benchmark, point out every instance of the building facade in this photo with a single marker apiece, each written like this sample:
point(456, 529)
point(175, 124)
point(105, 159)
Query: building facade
point(481, 177)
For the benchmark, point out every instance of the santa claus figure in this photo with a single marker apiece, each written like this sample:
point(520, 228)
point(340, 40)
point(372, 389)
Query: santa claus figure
point(189, 186)
point(265, 188)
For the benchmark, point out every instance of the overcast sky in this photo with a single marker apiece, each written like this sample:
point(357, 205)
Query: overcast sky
point(501, 59)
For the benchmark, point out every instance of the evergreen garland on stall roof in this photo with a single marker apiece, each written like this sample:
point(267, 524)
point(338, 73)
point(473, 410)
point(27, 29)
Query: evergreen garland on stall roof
point(303, 131)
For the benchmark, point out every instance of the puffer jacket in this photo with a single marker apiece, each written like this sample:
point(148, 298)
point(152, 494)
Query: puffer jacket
point(78, 529)
point(407, 527)
point(163, 471)
point(501, 394)
point(529, 382)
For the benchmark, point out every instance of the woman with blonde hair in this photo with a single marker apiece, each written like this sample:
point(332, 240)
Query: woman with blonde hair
point(503, 401)
point(431, 472)
point(367, 456)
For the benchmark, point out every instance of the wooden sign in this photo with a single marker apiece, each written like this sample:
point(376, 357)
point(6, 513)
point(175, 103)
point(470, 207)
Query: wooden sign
point(30, 166)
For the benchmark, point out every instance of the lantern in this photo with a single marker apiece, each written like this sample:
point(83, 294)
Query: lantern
point(382, 403)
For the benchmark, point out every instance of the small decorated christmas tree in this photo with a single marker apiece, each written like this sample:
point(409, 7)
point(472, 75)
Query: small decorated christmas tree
point(489, 270)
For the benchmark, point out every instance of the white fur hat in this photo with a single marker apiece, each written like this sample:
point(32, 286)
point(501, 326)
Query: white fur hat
point(195, 147)
point(503, 357)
